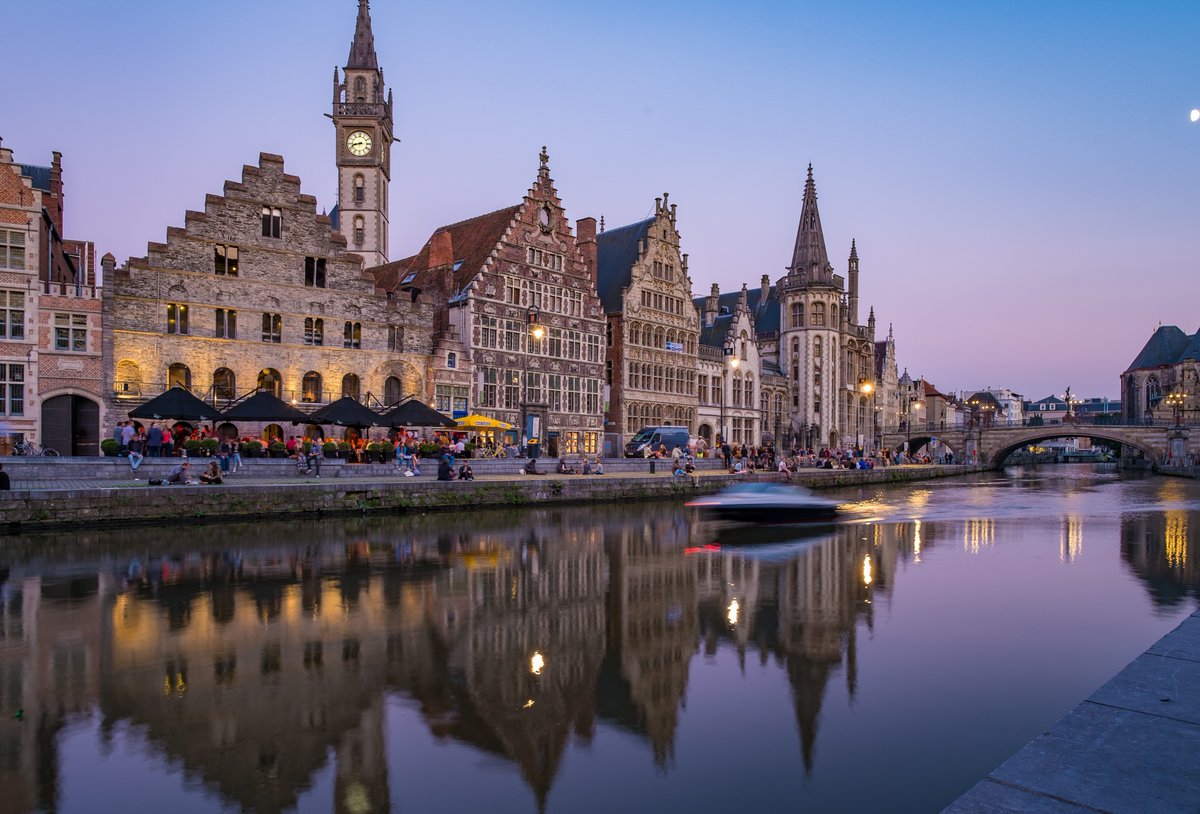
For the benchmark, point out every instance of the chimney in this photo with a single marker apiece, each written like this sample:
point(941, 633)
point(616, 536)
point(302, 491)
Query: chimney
point(441, 249)
point(5, 153)
point(710, 306)
point(55, 205)
point(764, 292)
point(585, 240)
point(108, 265)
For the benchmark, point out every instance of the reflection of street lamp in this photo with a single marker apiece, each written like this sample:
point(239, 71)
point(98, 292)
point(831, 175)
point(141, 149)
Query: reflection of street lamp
point(536, 331)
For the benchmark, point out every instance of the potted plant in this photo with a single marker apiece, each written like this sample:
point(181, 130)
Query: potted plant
point(386, 451)
point(278, 450)
point(252, 449)
point(343, 450)
point(208, 447)
point(428, 450)
point(469, 451)
point(329, 449)
point(110, 448)
point(375, 452)
point(194, 447)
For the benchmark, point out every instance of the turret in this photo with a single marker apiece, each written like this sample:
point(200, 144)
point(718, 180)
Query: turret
point(853, 283)
point(710, 306)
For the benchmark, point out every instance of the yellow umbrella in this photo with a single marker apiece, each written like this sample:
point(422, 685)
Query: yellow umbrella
point(482, 422)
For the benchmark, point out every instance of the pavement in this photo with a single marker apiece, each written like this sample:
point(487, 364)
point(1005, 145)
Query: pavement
point(1133, 746)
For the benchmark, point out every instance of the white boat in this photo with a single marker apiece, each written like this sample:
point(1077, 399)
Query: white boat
point(767, 503)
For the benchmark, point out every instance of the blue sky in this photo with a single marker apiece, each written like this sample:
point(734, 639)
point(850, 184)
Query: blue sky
point(1021, 178)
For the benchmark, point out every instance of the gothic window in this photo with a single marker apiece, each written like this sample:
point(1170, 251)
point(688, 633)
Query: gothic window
point(648, 336)
point(314, 272)
point(224, 384)
point(658, 339)
point(179, 375)
point(360, 90)
point(351, 386)
point(352, 335)
point(270, 381)
point(797, 315)
point(272, 222)
point(391, 390)
point(225, 259)
point(745, 346)
point(310, 392)
point(360, 231)
point(818, 315)
point(451, 360)
point(833, 320)
point(226, 327)
point(177, 318)
point(360, 192)
point(314, 331)
point(272, 328)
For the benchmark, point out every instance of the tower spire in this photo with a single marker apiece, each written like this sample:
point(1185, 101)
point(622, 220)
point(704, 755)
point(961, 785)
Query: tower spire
point(810, 255)
point(362, 49)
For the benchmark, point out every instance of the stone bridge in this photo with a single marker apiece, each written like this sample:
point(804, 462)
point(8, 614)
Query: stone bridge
point(1140, 445)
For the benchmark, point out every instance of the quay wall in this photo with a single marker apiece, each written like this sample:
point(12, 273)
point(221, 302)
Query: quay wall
point(34, 509)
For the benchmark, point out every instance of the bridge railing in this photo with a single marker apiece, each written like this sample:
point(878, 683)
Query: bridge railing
point(1091, 422)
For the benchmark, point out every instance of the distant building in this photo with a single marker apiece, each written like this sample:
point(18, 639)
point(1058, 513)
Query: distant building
point(51, 370)
point(1169, 363)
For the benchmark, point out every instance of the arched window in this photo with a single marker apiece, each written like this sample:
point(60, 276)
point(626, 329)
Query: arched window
point(310, 390)
point(658, 339)
point(352, 335)
point(360, 192)
point(360, 90)
point(179, 375)
point(392, 390)
point(351, 386)
point(818, 315)
point(1153, 392)
point(224, 384)
point(360, 230)
point(128, 380)
point(648, 336)
point(745, 348)
point(797, 315)
point(635, 333)
point(270, 380)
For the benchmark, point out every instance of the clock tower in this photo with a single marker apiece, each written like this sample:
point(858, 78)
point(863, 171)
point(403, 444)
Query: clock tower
point(362, 123)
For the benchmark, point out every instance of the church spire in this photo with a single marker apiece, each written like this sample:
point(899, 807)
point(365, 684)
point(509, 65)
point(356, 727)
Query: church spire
point(810, 255)
point(362, 50)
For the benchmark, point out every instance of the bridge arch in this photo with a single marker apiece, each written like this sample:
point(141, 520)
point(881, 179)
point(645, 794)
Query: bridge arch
point(994, 457)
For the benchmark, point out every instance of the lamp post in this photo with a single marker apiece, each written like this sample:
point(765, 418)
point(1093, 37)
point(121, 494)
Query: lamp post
point(867, 388)
point(1175, 401)
point(729, 360)
point(536, 332)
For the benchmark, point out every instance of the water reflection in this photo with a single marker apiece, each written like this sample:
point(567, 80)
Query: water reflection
point(257, 657)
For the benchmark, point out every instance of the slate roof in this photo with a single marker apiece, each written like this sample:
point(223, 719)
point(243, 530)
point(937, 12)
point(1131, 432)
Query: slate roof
point(714, 335)
point(766, 320)
point(1192, 351)
point(617, 251)
point(335, 218)
point(1166, 347)
point(472, 242)
point(39, 176)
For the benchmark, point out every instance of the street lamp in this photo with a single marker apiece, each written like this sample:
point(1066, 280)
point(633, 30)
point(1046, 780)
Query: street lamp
point(913, 404)
point(730, 361)
point(867, 388)
point(1175, 402)
point(536, 331)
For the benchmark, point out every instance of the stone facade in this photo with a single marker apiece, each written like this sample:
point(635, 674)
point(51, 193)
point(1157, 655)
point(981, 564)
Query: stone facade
point(730, 372)
point(51, 371)
point(1163, 382)
point(653, 329)
point(258, 291)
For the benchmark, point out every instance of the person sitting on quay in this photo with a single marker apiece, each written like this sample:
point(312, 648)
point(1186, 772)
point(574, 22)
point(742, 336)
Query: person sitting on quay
point(586, 467)
point(179, 475)
point(563, 469)
point(135, 454)
point(465, 472)
point(531, 467)
point(213, 475)
point(445, 468)
point(598, 467)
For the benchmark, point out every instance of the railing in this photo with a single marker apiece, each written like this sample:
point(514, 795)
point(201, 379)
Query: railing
point(362, 109)
point(1066, 427)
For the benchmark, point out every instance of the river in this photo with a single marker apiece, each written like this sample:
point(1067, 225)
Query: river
point(624, 658)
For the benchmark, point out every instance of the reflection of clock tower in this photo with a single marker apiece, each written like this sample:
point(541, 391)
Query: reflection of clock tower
point(362, 120)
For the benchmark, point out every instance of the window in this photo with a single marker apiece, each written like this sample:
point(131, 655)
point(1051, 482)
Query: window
point(272, 328)
point(225, 260)
point(395, 338)
point(797, 315)
point(314, 272)
point(573, 404)
point(352, 335)
point(351, 386)
point(360, 230)
point(226, 324)
point(12, 314)
point(270, 381)
point(554, 391)
point(359, 189)
point(592, 396)
point(490, 378)
point(310, 392)
point(177, 318)
point(392, 392)
point(272, 222)
point(224, 384)
point(512, 336)
point(179, 375)
point(314, 331)
point(70, 332)
point(554, 343)
point(547, 260)
point(12, 389)
point(818, 315)
point(451, 359)
point(12, 249)
point(489, 336)
point(512, 389)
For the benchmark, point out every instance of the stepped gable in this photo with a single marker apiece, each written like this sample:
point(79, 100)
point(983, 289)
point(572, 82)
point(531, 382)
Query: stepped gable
point(617, 251)
point(1164, 348)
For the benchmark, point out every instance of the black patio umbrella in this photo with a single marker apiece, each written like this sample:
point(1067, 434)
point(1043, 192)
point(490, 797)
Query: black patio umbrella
point(347, 412)
point(266, 406)
point(177, 403)
point(413, 413)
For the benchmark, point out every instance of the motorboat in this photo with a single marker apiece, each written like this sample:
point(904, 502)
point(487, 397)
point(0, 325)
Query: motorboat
point(767, 502)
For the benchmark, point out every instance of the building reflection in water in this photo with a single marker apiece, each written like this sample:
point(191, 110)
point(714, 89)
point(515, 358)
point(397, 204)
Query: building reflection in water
point(253, 664)
point(1070, 538)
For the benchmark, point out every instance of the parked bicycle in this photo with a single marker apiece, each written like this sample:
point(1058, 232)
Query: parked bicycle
point(32, 448)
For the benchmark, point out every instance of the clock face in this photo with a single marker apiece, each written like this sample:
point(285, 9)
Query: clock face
point(359, 142)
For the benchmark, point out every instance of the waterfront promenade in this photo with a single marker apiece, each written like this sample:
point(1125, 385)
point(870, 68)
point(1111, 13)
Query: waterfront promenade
point(97, 491)
point(1133, 746)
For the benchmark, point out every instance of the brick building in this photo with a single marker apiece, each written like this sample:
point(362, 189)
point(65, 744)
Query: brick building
point(653, 328)
point(259, 292)
point(50, 348)
point(495, 275)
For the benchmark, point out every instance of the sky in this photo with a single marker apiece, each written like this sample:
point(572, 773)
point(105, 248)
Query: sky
point(1021, 178)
